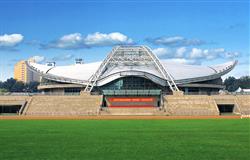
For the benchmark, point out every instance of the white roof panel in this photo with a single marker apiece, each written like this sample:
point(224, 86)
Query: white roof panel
point(77, 71)
point(40, 67)
point(182, 71)
point(221, 67)
point(83, 72)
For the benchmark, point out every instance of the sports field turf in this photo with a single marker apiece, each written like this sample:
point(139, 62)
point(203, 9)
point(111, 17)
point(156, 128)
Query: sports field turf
point(125, 139)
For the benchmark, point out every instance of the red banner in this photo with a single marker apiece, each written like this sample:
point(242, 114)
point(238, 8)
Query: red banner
point(131, 99)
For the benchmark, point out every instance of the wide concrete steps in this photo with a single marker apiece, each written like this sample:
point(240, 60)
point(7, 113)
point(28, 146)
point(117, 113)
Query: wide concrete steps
point(13, 100)
point(240, 102)
point(64, 105)
point(190, 105)
point(132, 111)
point(244, 104)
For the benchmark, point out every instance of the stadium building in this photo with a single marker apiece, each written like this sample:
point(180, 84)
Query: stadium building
point(22, 73)
point(131, 76)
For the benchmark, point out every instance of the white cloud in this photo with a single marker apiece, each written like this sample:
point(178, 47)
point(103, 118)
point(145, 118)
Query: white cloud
point(169, 40)
point(76, 40)
point(180, 52)
point(180, 61)
point(10, 40)
point(38, 59)
point(161, 51)
point(196, 53)
point(170, 52)
point(185, 55)
point(63, 57)
point(75, 37)
point(219, 50)
point(232, 54)
point(101, 39)
point(70, 41)
point(211, 54)
point(175, 41)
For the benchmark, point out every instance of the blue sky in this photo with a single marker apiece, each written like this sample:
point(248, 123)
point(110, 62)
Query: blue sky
point(191, 32)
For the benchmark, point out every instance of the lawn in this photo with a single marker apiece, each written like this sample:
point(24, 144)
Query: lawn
point(125, 139)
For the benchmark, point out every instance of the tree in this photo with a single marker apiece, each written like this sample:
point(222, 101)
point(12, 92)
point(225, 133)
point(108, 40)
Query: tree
point(11, 85)
point(32, 87)
point(8, 84)
point(244, 82)
point(3, 90)
point(232, 84)
point(18, 87)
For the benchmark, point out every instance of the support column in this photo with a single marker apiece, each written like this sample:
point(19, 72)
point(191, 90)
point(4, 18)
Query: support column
point(178, 93)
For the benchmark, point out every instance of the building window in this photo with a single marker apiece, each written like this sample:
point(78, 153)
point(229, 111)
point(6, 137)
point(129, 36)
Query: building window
point(72, 91)
point(131, 83)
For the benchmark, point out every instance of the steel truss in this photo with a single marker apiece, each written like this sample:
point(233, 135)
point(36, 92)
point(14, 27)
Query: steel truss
point(130, 55)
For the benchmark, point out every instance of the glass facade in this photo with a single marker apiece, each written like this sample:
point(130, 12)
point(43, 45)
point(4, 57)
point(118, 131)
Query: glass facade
point(131, 83)
point(72, 91)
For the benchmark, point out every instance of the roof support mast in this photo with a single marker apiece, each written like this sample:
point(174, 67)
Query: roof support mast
point(114, 58)
point(97, 74)
point(163, 71)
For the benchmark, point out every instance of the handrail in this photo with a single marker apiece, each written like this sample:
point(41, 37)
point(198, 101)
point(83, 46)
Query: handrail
point(22, 108)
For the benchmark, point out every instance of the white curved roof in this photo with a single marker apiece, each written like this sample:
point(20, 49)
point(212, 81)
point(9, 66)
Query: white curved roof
point(131, 61)
point(40, 67)
point(182, 71)
point(122, 68)
point(224, 66)
point(178, 71)
point(77, 71)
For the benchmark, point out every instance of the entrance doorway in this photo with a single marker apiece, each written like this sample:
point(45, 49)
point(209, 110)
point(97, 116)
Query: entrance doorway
point(9, 109)
point(226, 108)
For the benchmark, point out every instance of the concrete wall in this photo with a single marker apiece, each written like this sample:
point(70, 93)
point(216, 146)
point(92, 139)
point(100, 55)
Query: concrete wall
point(190, 105)
point(23, 101)
point(64, 105)
point(204, 105)
point(86, 104)
point(241, 102)
point(244, 104)
point(132, 111)
point(14, 100)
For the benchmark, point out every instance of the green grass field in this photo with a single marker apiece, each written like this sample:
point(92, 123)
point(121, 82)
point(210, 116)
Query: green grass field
point(125, 139)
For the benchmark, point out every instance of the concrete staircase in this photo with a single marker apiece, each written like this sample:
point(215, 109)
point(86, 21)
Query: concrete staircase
point(244, 103)
point(87, 104)
point(15, 100)
point(241, 102)
point(132, 111)
point(64, 105)
point(189, 105)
